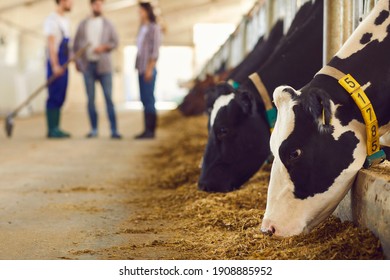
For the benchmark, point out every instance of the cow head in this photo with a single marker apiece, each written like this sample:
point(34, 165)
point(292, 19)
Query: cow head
point(237, 144)
point(194, 103)
point(213, 93)
point(316, 160)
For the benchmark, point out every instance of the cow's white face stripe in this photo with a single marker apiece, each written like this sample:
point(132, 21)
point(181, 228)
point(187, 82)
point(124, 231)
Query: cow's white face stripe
point(284, 125)
point(221, 102)
point(377, 32)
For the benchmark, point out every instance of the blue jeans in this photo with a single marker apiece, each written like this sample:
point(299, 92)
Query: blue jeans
point(90, 77)
point(147, 92)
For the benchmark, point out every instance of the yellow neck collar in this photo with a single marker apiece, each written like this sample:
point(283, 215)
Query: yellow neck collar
point(354, 89)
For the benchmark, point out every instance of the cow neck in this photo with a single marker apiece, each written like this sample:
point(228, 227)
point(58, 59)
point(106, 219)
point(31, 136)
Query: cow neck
point(375, 154)
point(271, 112)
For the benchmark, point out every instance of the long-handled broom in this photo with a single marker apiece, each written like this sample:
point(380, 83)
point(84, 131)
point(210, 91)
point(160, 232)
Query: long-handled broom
point(9, 121)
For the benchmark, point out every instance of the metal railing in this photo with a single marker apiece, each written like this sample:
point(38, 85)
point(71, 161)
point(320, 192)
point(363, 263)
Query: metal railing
point(341, 17)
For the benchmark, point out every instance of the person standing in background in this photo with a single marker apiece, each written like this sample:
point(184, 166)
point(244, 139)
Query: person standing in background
point(96, 64)
point(57, 31)
point(148, 43)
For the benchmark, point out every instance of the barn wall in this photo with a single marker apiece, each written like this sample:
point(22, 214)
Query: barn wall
point(22, 68)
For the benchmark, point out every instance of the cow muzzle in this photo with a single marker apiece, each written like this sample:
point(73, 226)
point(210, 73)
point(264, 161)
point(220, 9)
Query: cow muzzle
point(267, 228)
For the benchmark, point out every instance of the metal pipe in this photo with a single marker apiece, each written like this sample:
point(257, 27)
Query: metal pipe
point(333, 29)
point(270, 6)
point(243, 31)
point(357, 11)
point(347, 20)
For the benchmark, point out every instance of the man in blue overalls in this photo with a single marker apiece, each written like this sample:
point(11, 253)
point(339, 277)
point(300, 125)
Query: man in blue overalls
point(57, 30)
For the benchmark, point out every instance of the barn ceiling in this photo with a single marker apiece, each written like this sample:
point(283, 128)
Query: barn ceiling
point(179, 16)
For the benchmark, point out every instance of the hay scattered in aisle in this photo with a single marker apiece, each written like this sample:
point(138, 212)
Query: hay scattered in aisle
point(226, 226)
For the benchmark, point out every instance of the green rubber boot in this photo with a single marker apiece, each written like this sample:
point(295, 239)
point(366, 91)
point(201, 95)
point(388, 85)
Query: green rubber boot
point(58, 120)
point(51, 124)
point(53, 120)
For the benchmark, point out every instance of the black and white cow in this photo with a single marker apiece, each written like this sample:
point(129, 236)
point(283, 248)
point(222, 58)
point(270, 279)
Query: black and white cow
point(238, 142)
point(319, 141)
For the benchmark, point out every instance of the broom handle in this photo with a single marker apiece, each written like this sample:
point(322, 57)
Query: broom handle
point(77, 55)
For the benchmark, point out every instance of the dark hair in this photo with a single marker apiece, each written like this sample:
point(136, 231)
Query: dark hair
point(93, 1)
point(149, 10)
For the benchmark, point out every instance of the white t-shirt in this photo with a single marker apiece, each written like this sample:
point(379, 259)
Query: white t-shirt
point(94, 36)
point(141, 36)
point(57, 26)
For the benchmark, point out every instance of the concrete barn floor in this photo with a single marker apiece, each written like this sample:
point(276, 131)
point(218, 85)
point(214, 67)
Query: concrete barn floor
point(67, 198)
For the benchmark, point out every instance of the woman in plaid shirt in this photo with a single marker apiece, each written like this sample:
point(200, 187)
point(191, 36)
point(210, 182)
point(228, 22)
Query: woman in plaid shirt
point(148, 43)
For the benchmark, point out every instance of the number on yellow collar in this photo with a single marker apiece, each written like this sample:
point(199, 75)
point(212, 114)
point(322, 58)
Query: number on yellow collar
point(360, 98)
point(367, 110)
point(372, 138)
point(368, 114)
point(349, 83)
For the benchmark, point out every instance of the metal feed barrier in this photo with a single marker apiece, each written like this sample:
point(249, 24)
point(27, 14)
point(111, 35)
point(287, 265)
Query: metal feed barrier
point(341, 18)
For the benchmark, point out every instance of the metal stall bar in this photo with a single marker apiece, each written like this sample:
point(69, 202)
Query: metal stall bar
point(270, 13)
point(257, 22)
point(332, 28)
point(341, 18)
point(291, 10)
point(231, 43)
point(357, 11)
point(347, 20)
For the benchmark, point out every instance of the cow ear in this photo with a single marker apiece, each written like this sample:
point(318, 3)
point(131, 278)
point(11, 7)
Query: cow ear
point(224, 88)
point(212, 93)
point(317, 103)
point(246, 102)
point(282, 95)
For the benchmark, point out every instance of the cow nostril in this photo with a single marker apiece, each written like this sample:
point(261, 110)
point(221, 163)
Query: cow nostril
point(202, 186)
point(268, 231)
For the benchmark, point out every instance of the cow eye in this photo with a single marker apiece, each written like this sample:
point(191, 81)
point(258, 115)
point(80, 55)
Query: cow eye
point(295, 155)
point(222, 133)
